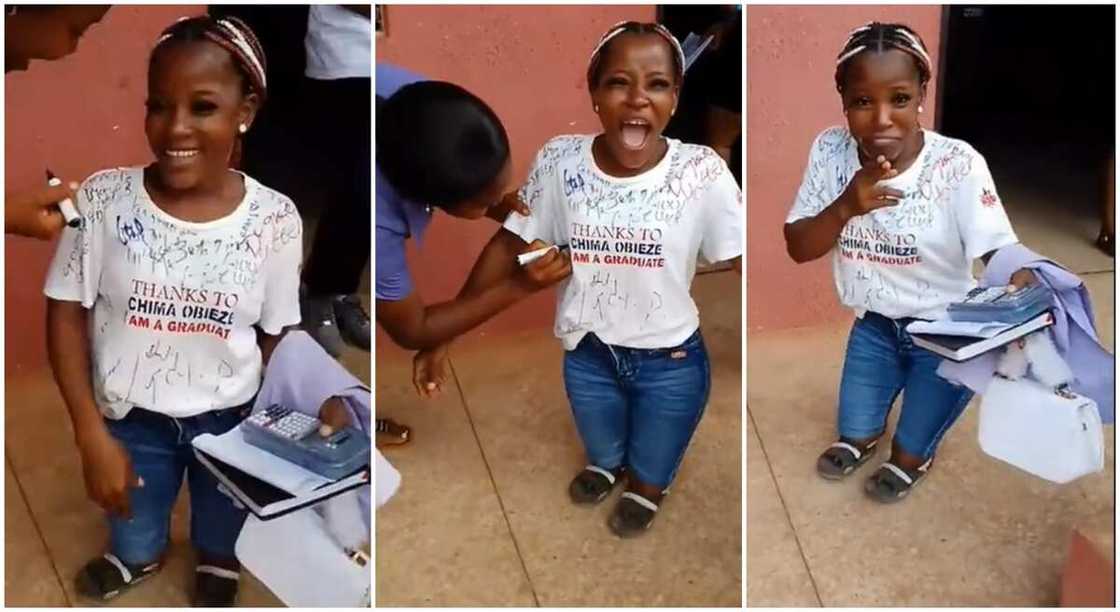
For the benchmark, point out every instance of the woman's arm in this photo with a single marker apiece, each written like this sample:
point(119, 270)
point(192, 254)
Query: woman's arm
point(268, 342)
point(68, 349)
point(813, 237)
point(495, 283)
point(105, 464)
point(496, 265)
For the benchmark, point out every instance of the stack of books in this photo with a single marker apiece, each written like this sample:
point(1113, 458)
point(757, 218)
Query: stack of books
point(986, 319)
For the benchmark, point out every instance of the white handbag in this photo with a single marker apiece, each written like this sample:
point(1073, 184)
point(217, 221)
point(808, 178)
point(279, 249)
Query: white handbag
point(1034, 428)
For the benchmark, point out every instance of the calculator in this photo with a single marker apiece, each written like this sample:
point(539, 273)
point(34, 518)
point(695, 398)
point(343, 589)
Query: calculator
point(996, 304)
point(294, 436)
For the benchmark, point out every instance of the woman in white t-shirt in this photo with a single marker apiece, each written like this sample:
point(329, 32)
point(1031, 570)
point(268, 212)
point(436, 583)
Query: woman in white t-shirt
point(904, 212)
point(635, 210)
point(161, 303)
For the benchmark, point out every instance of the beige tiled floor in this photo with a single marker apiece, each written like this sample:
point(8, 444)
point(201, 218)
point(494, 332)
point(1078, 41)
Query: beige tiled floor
point(482, 517)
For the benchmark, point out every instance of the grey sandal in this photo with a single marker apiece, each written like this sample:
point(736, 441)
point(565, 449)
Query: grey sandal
point(593, 484)
point(107, 576)
point(632, 516)
point(214, 587)
point(840, 459)
point(890, 483)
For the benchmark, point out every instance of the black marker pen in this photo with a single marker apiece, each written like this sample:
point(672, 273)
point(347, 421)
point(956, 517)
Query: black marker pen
point(73, 219)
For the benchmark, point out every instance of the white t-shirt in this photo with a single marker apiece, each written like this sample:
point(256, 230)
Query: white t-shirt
point(634, 241)
point(337, 43)
point(912, 259)
point(174, 302)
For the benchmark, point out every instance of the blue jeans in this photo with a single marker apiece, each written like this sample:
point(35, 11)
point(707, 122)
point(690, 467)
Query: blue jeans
point(880, 363)
point(160, 449)
point(635, 407)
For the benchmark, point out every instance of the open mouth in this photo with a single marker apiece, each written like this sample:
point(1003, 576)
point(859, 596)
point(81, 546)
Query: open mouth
point(181, 153)
point(635, 133)
point(888, 147)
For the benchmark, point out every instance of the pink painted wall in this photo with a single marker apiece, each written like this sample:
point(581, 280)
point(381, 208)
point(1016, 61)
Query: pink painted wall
point(791, 97)
point(78, 115)
point(528, 64)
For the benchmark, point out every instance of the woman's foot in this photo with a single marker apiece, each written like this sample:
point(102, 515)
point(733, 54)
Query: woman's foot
point(593, 484)
point(391, 433)
point(896, 478)
point(215, 582)
point(845, 456)
point(107, 576)
point(636, 510)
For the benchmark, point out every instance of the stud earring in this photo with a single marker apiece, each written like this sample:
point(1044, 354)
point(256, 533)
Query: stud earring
point(920, 109)
point(242, 128)
point(596, 108)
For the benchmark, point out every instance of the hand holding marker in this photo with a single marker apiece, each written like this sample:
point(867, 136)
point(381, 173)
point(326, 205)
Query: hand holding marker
point(541, 267)
point(73, 219)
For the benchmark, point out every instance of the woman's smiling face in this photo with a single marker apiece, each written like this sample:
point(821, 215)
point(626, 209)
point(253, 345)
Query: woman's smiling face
point(195, 104)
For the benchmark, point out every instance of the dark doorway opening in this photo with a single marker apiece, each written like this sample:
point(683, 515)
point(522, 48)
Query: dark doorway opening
point(1033, 89)
point(711, 103)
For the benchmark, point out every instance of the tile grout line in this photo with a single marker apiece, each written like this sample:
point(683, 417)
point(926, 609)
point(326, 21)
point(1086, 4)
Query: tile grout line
point(494, 485)
point(1095, 272)
point(785, 508)
point(38, 531)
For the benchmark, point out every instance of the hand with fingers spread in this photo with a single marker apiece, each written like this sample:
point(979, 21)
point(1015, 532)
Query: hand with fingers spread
point(865, 192)
point(551, 268)
point(429, 371)
point(108, 472)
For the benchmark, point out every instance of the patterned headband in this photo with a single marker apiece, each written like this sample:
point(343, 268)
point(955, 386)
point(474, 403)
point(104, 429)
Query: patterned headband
point(915, 46)
point(621, 27)
point(235, 37)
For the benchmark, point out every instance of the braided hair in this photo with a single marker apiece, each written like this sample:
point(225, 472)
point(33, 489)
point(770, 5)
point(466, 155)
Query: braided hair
point(879, 37)
point(595, 64)
point(229, 33)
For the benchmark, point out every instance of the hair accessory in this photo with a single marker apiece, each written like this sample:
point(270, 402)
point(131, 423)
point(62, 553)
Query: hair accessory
point(623, 26)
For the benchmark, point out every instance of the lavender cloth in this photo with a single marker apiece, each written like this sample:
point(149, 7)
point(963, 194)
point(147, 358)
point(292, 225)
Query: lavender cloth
point(1073, 332)
point(301, 375)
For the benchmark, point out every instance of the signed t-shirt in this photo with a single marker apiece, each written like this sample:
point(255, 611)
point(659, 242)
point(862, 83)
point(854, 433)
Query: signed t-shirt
point(634, 241)
point(174, 302)
point(912, 259)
